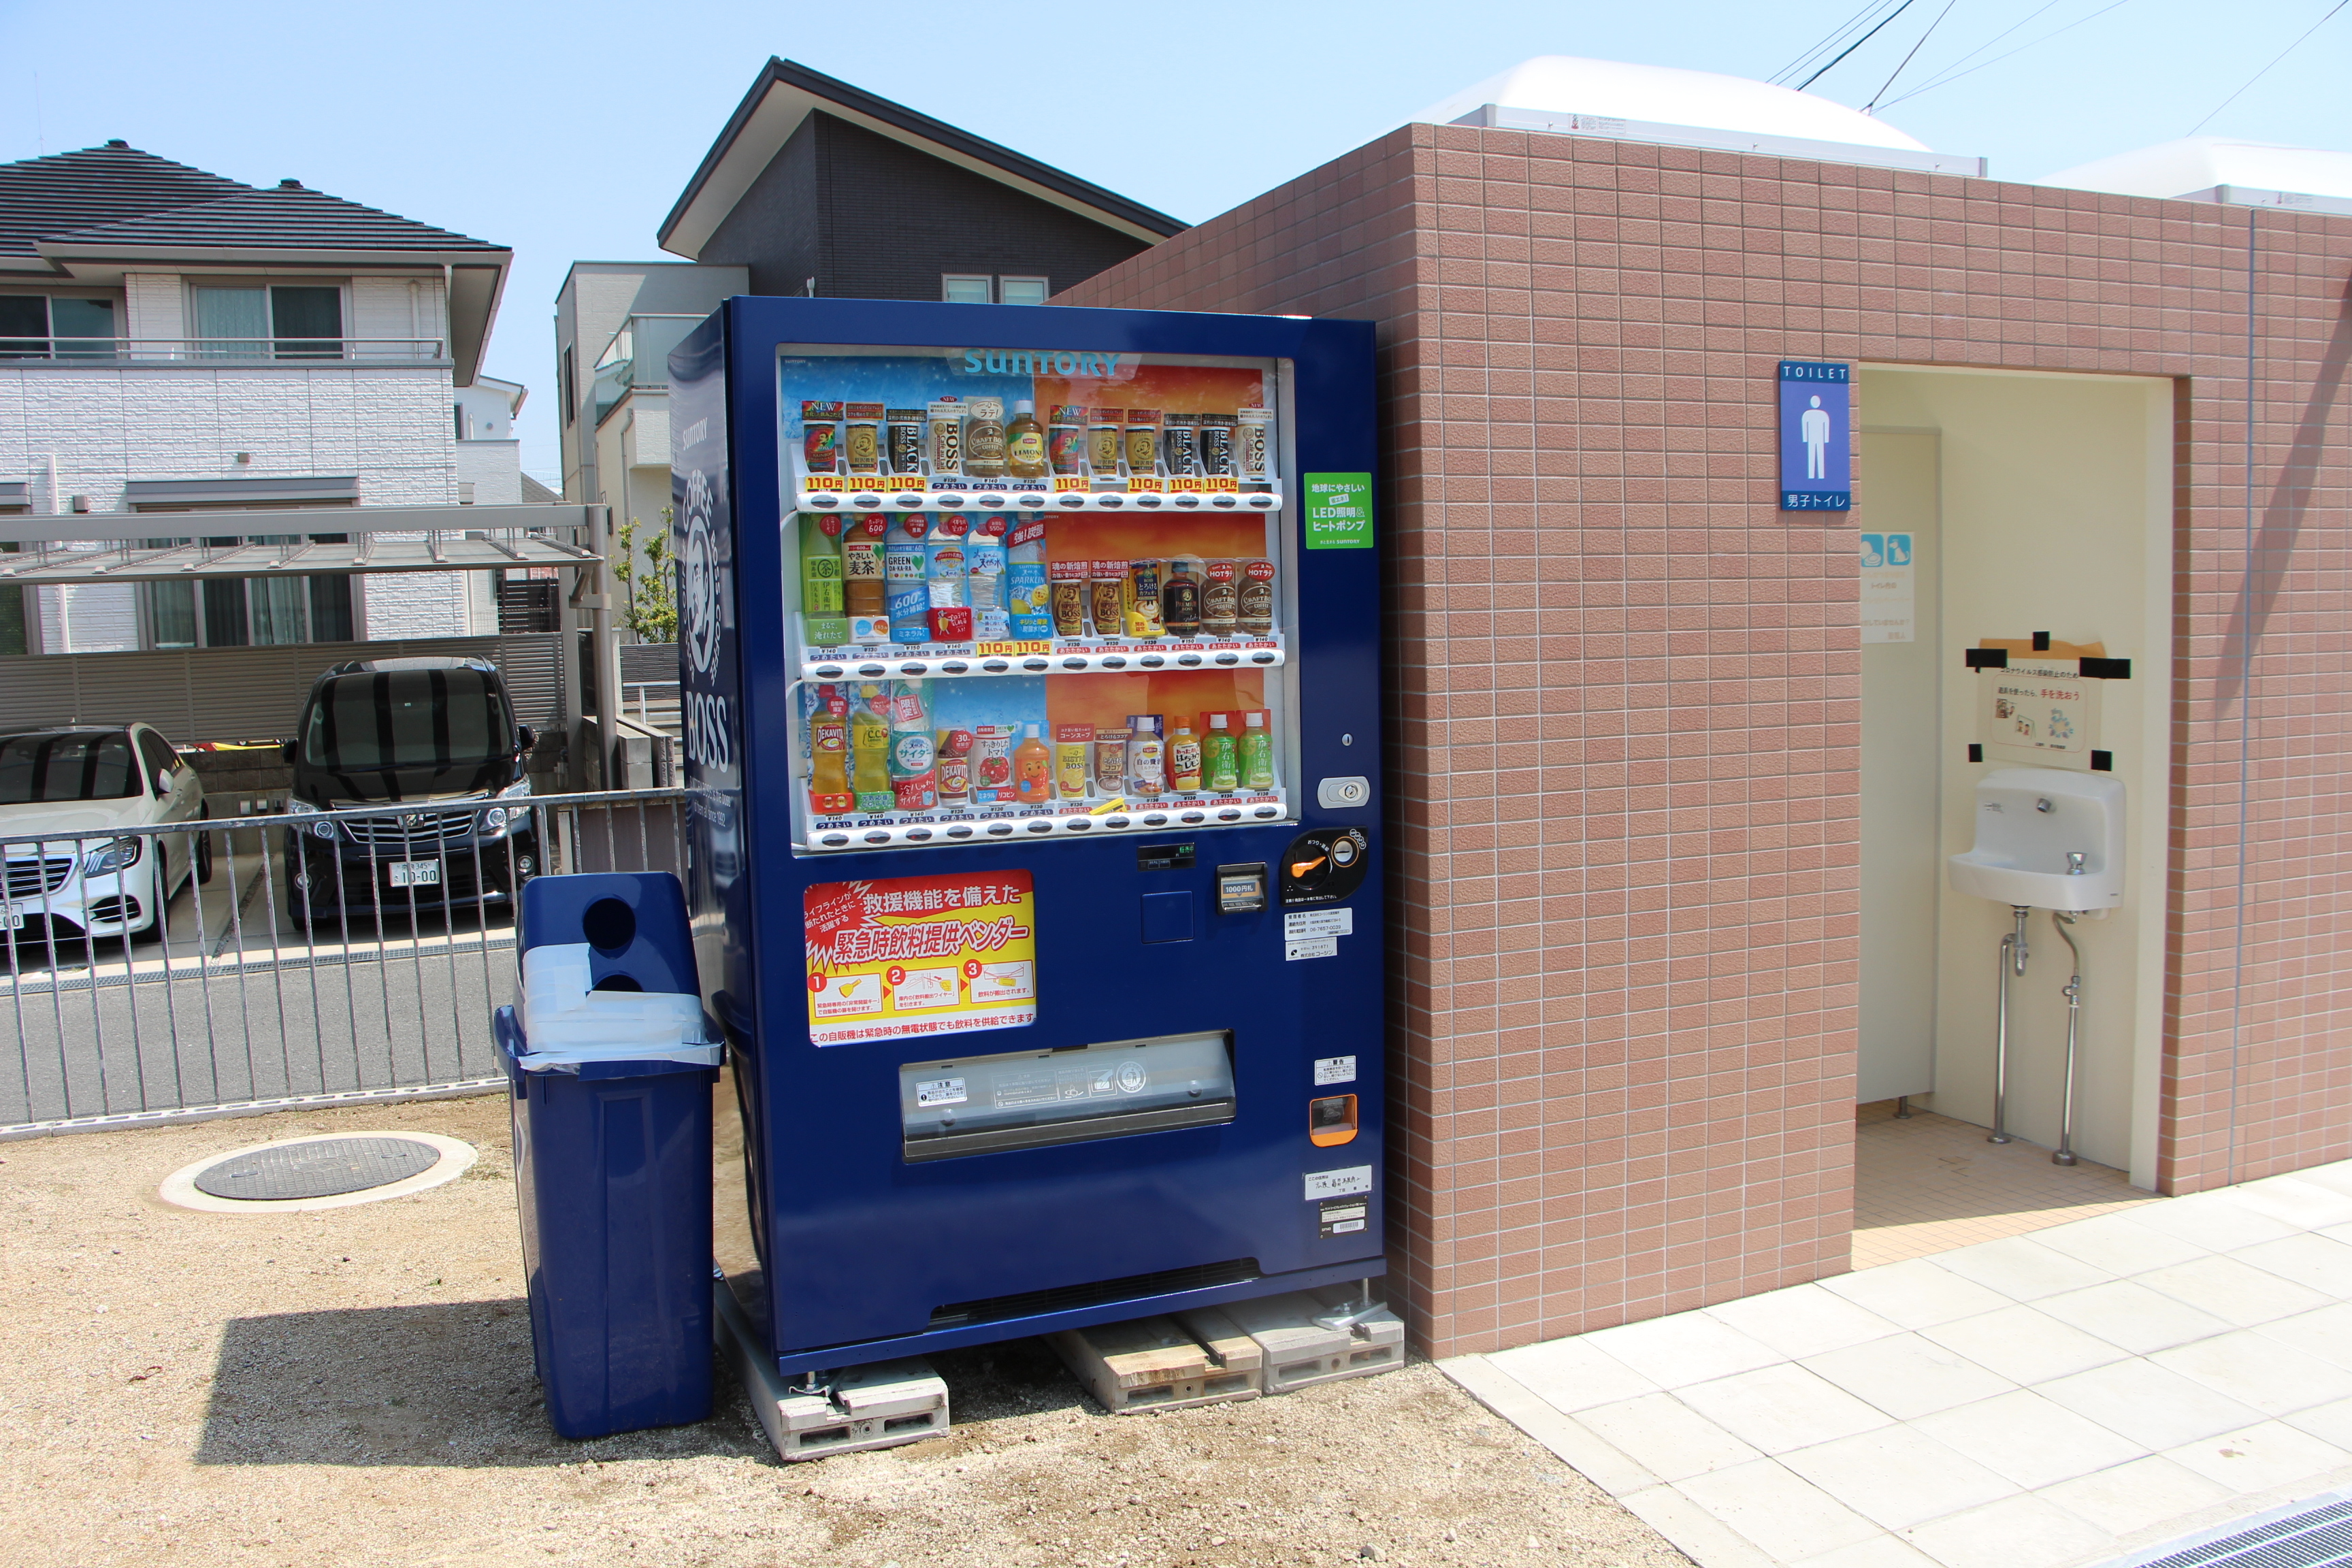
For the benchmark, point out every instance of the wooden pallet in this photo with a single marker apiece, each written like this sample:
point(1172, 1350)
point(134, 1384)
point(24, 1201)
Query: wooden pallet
point(1150, 1364)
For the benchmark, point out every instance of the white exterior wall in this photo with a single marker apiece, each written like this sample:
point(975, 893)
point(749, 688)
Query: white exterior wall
point(89, 430)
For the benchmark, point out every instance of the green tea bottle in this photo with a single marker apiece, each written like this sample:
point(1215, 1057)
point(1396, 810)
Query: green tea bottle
point(820, 601)
point(1257, 752)
point(1220, 768)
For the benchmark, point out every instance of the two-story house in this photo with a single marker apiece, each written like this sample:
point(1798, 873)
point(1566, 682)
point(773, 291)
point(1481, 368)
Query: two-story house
point(175, 341)
point(815, 187)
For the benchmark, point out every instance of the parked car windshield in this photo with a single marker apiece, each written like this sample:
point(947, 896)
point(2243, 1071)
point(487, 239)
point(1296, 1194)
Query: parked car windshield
point(402, 718)
point(96, 764)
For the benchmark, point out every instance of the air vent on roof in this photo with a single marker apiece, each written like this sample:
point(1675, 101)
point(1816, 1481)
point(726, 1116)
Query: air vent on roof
point(290, 184)
point(118, 142)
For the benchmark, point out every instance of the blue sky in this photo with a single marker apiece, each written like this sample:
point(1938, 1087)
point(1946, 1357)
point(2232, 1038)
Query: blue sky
point(567, 130)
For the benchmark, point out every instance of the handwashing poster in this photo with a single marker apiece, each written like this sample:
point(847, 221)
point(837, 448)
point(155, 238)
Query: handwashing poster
point(2040, 710)
point(907, 956)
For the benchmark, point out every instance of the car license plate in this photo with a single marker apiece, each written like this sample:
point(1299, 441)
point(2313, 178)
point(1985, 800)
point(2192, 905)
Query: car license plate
point(416, 873)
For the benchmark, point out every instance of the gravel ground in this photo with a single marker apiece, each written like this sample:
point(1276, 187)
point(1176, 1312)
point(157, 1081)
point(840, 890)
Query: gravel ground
point(355, 1387)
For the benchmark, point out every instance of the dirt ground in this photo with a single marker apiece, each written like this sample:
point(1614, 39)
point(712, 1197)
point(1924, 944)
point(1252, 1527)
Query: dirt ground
point(354, 1386)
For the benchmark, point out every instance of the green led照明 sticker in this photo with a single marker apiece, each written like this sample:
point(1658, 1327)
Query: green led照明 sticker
point(1338, 512)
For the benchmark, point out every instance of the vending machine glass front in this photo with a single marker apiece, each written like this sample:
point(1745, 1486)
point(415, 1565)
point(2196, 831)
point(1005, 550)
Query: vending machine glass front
point(1038, 594)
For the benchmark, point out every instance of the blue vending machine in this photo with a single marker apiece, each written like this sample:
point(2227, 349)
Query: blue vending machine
point(1031, 677)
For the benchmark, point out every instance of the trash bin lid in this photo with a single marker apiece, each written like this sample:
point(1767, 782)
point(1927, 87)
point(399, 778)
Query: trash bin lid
point(324, 1169)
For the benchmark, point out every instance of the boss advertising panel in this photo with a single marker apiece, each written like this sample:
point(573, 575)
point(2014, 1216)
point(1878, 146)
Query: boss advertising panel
point(1032, 704)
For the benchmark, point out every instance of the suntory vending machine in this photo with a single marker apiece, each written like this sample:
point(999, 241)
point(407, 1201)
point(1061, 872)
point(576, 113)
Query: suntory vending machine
point(1031, 697)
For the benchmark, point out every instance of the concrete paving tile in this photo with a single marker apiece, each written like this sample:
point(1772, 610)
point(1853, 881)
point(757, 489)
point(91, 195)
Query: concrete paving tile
point(2253, 1369)
point(1696, 1534)
point(2331, 1422)
point(2129, 1314)
point(2258, 1458)
point(2321, 1263)
point(1879, 1552)
point(1665, 1437)
point(1916, 1293)
point(2306, 1206)
point(2154, 1407)
point(1572, 1374)
point(1803, 1321)
point(2020, 1269)
point(2135, 1495)
point(2021, 1531)
point(1604, 1465)
point(2024, 1344)
point(2212, 1222)
point(2335, 1177)
point(2118, 1243)
point(1777, 1408)
point(2325, 1332)
point(1778, 1510)
point(1898, 1475)
point(1907, 1376)
point(2239, 1292)
point(2028, 1440)
point(1687, 1347)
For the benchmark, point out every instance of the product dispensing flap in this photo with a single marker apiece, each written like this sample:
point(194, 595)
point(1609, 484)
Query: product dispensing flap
point(567, 1022)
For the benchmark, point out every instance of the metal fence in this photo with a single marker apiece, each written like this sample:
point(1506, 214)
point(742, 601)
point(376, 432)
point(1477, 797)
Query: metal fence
point(212, 967)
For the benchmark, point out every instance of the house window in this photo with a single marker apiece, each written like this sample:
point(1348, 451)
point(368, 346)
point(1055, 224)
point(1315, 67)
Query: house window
point(246, 612)
point(569, 368)
point(966, 290)
point(281, 321)
point(56, 326)
point(1021, 291)
point(983, 289)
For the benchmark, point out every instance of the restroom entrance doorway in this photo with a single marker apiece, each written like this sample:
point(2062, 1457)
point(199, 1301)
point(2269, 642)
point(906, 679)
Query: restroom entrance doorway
point(2026, 515)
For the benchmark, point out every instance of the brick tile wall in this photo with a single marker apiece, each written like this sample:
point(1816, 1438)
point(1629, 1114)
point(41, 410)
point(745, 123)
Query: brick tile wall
point(1623, 690)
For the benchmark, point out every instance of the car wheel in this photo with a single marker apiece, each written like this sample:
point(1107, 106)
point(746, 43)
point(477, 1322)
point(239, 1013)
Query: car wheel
point(204, 848)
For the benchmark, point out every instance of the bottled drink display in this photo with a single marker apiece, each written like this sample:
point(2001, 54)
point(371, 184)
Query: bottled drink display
point(1056, 562)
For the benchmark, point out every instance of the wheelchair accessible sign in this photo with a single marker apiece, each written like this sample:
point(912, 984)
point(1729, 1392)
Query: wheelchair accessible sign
point(1816, 436)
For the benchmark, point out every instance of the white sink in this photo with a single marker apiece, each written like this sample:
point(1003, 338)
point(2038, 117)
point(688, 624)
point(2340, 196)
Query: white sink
point(2046, 838)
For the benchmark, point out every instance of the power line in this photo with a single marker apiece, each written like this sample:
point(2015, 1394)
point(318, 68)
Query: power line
point(2266, 69)
point(1909, 58)
point(1952, 75)
point(1829, 41)
point(2013, 27)
point(1853, 45)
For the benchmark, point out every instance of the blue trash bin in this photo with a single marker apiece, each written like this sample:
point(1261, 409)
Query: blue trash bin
point(613, 1175)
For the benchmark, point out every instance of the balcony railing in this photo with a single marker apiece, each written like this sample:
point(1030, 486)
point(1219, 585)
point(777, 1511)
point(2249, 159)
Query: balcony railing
point(221, 350)
point(639, 357)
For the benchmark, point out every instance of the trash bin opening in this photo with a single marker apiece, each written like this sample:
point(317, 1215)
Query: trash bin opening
point(609, 925)
point(617, 982)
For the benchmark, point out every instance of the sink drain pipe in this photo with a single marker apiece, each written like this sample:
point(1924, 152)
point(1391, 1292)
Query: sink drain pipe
point(2065, 1153)
point(2013, 961)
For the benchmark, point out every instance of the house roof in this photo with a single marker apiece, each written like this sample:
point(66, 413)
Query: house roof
point(91, 214)
point(787, 93)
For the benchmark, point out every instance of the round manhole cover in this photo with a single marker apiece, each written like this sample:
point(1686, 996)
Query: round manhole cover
point(325, 1168)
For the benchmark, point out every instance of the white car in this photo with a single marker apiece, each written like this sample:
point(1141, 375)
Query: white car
point(87, 782)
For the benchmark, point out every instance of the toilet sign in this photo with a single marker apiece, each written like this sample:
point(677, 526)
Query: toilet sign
point(1816, 436)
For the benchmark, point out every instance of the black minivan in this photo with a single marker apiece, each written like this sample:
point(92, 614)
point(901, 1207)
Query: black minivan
point(434, 734)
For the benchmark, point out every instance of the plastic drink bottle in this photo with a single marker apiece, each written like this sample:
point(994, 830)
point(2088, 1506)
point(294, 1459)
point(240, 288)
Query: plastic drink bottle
point(1147, 757)
point(821, 612)
point(1257, 752)
point(1183, 758)
point(946, 580)
point(904, 581)
point(1029, 596)
point(869, 748)
point(861, 598)
point(1033, 768)
point(984, 578)
point(1220, 762)
point(829, 792)
point(914, 780)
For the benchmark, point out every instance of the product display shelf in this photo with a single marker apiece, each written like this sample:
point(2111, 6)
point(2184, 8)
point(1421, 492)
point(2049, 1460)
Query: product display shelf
point(1042, 502)
point(1066, 820)
point(1055, 656)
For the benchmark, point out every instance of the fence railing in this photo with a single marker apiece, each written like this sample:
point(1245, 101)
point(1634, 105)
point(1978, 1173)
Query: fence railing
point(209, 967)
point(222, 350)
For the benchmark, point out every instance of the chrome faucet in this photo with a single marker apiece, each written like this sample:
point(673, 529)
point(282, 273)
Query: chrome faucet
point(2074, 863)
